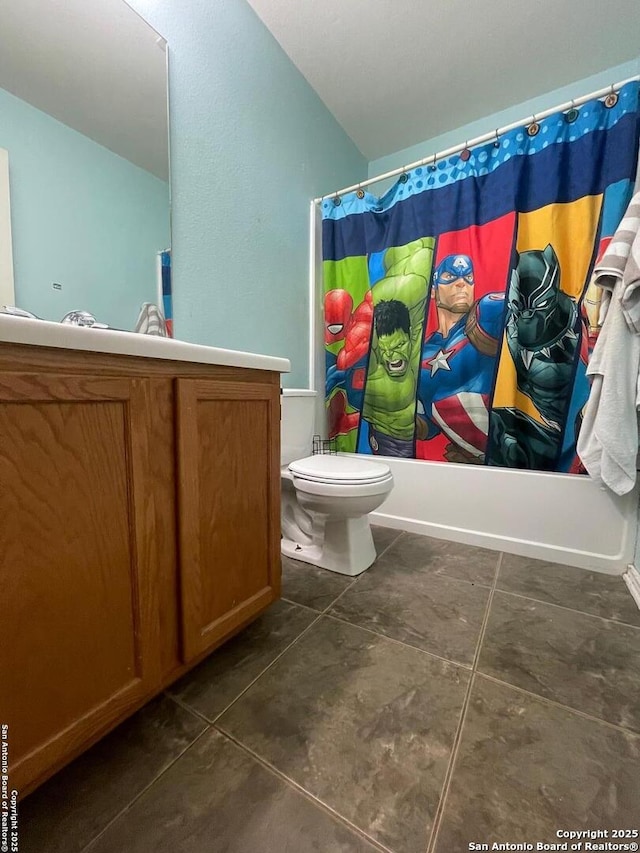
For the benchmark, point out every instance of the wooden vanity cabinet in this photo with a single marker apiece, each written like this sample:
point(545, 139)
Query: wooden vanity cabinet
point(228, 443)
point(139, 529)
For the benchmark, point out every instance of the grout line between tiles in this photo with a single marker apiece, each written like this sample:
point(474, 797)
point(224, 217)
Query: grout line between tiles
point(443, 575)
point(570, 609)
point(437, 820)
point(185, 707)
point(447, 577)
point(266, 669)
point(318, 614)
point(397, 642)
point(485, 621)
point(126, 808)
point(474, 674)
point(346, 589)
point(209, 723)
point(444, 793)
point(307, 794)
point(214, 720)
point(384, 550)
point(340, 594)
point(554, 704)
point(298, 604)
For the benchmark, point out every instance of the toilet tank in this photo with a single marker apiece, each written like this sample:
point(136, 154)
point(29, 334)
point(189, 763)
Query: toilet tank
point(296, 424)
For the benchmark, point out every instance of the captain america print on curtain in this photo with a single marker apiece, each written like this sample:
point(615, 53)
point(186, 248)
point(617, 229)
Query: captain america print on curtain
point(458, 312)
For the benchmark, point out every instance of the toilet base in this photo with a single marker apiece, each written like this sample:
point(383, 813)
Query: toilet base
point(346, 547)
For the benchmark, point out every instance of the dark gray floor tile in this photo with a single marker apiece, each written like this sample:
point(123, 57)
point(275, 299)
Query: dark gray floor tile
point(309, 585)
point(364, 724)
point(217, 799)
point(526, 769)
point(439, 557)
point(416, 606)
point(75, 805)
point(575, 659)
point(318, 588)
point(591, 592)
point(219, 679)
point(383, 537)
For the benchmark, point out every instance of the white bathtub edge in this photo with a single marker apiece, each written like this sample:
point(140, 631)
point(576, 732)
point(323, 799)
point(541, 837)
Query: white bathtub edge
point(611, 565)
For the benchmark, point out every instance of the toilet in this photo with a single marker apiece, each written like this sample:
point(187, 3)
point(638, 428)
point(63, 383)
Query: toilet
point(326, 499)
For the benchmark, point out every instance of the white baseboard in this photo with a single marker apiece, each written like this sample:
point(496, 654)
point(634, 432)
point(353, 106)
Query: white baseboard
point(632, 580)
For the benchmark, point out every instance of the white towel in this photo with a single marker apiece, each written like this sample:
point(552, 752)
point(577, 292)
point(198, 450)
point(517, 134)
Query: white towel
point(608, 440)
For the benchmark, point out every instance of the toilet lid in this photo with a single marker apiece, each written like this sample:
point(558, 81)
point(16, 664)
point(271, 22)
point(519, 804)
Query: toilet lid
point(325, 468)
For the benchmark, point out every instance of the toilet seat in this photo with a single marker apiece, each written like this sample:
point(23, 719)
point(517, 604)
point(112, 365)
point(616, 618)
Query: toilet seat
point(343, 489)
point(339, 470)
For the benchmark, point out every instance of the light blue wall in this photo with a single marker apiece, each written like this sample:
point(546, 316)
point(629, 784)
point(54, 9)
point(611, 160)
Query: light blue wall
point(251, 144)
point(500, 119)
point(82, 217)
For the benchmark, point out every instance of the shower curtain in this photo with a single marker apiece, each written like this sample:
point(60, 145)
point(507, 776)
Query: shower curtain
point(165, 290)
point(457, 307)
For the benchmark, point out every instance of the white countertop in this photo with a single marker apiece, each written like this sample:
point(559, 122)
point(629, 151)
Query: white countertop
point(21, 330)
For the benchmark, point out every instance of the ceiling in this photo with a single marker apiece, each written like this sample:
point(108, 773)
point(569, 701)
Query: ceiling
point(397, 72)
point(95, 66)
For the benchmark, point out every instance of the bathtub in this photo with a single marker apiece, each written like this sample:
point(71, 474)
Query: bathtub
point(563, 518)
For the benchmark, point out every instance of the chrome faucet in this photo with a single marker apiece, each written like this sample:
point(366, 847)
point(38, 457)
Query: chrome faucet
point(82, 318)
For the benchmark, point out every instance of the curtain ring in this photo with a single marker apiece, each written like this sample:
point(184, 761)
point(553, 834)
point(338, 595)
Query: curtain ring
point(432, 167)
point(612, 98)
point(404, 177)
point(465, 153)
point(496, 143)
point(359, 191)
point(572, 114)
point(534, 127)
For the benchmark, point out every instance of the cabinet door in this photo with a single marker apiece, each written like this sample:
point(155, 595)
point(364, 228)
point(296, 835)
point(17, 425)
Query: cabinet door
point(76, 628)
point(229, 506)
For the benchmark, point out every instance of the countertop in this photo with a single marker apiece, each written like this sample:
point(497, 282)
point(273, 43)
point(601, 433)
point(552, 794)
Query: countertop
point(20, 330)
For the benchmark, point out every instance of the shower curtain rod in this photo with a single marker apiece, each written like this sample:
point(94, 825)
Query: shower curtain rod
point(432, 158)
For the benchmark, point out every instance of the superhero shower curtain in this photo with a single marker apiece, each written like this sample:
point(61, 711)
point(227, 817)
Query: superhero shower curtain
point(458, 311)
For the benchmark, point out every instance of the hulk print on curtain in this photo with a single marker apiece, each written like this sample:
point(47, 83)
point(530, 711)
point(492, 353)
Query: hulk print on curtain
point(458, 313)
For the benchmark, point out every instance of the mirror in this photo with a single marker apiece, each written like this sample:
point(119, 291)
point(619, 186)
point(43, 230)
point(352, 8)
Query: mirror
point(84, 124)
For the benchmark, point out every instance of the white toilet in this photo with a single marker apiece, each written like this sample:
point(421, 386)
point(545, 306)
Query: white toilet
point(326, 499)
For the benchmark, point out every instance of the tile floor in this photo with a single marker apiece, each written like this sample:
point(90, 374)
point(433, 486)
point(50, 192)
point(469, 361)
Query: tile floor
point(448, 695)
